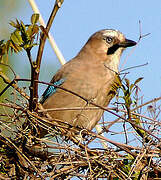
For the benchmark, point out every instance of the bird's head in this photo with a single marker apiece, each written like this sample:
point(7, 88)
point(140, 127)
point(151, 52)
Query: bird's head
point(108, 43)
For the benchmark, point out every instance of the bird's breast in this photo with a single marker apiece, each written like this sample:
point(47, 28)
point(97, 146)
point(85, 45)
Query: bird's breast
point(90, 82)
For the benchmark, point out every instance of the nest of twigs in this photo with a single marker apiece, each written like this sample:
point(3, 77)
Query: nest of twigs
point(68, 152)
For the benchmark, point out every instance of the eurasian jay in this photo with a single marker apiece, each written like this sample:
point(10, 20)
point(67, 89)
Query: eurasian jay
point(90, 74)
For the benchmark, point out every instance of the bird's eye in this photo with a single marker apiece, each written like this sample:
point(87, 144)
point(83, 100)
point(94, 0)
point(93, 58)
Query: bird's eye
point(109, 39)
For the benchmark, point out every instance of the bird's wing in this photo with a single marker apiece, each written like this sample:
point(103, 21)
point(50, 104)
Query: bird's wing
point(51, 89)
point(58, 79)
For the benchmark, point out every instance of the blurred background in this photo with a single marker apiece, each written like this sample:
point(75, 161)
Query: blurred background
point(77, 20)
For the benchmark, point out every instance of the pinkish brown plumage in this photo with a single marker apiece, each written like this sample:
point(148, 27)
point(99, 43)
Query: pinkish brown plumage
point(90, 74)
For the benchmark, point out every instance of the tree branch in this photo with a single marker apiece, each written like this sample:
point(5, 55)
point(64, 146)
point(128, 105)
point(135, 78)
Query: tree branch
point(36, 65)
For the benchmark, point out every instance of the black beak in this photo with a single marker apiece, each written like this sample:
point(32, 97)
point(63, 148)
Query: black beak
point(127, 43)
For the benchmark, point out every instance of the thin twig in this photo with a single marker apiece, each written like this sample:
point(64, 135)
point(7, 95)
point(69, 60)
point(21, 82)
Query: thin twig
point(73, 108)
point(5, 89)
point(146, 103)
point(8, 81)
point(96, 105)
point(43, 37)
point(134, 67)
point(12, 106)
point(141, 36)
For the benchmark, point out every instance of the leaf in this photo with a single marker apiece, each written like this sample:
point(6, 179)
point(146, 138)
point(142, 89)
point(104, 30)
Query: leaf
point(138, 80)
point(29, 30)
point(18, 24)
point(35, 29)
point(128, 100)
point(131, 86)
point(34, 18)
point(23, 27)
point(12, 23)
point(16, 37)
point(127, 82)
point(8, 45)
point(15, 24)
point(118, 80)
point(14, 47)
point(24, 34)
point(27, 46)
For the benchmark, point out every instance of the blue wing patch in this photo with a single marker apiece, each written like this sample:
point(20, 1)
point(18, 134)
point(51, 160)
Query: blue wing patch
point(50, 90)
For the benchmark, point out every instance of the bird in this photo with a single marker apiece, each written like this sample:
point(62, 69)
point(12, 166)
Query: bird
point(90, 74)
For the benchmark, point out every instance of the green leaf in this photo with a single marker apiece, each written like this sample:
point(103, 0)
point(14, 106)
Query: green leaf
point(8, 45)
point(27, 46)
point(18, 24)
point(29, 30)
point(12, 23)
point(23, 27)
point(14, 48)
point(15, 24)
point(16, 37)
point(34, 18)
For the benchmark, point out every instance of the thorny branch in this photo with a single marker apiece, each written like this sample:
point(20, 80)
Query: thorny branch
point(96, 105)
